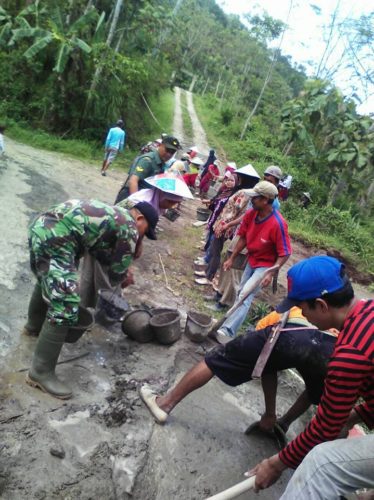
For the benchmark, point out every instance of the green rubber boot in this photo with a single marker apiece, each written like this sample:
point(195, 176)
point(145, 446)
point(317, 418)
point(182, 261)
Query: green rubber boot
point(47, 350)
point(36, 313)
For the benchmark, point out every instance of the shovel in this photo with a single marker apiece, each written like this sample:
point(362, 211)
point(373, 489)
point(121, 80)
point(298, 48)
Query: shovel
point(235, 490)
point(237, 304)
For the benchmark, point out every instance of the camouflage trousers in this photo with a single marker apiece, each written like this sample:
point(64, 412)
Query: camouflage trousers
point(56, 268)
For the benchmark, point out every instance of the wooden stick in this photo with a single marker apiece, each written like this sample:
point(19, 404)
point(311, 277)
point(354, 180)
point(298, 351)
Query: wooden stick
point(166, 278)
point(235, 490)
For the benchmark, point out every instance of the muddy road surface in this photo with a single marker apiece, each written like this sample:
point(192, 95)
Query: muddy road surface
point(106, 442)
point(103, 443)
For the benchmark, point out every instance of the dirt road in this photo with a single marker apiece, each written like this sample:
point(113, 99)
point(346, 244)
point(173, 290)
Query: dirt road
point(112, 448)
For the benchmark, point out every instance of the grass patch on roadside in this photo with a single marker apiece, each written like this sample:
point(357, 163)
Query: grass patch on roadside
point(93, 151)
point(163, 109)
point(187, 123)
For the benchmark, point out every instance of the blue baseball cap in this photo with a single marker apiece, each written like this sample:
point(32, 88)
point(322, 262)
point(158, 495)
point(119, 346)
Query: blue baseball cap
point(312, 278)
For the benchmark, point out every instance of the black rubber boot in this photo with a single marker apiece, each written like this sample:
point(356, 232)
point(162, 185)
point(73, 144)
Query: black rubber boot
point(47, 350)
point(36, 313)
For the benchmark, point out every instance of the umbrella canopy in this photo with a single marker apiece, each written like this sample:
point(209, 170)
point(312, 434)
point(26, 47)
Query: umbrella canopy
point(248, 170)
point(170, 184)
point(196, 161)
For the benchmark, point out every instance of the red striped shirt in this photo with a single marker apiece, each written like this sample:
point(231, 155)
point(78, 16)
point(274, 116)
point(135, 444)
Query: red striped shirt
point(350, 375)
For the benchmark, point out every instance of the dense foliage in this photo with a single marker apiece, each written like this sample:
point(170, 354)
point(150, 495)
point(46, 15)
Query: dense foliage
point(74, 67)
point(71, 68)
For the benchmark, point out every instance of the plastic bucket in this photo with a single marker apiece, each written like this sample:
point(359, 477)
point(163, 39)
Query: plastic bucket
point(110, 307)
point(85, 321)
point(160, 310)
point(197, 326)
point(166, 327)
point(136, 325)
point(202, 214)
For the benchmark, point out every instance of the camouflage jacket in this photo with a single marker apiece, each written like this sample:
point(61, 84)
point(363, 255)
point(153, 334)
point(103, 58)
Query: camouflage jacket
point(107, 232)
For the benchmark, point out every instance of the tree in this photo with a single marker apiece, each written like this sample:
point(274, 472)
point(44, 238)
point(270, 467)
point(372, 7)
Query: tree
point(64, 39)
point(331, 138)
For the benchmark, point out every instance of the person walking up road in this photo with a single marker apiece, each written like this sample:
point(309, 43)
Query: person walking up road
point(115, 142)
point(321, 288)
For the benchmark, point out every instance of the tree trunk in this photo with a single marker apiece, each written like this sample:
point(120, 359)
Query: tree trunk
point(267, 78)
point(218, 84)
point(336, 189)
point(206, 85)
point(99, 67)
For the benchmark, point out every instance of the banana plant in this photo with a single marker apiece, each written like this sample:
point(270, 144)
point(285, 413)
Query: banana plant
point(65, 40)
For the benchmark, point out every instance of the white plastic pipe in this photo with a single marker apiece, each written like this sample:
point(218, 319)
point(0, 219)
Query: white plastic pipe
point(235, 490)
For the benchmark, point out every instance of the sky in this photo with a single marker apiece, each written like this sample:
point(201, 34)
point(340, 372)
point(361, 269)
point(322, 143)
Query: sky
point(303, 40)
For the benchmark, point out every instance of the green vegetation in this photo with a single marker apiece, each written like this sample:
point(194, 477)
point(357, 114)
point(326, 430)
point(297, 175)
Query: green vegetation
point(68, 70)
point(162, 108)
point(344, 226)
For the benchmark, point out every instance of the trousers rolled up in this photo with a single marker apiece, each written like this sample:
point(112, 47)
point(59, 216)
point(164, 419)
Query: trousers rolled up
point(334, 469)
point(250, 275)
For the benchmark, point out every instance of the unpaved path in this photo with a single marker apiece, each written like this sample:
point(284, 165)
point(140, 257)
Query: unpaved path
point(113, 449)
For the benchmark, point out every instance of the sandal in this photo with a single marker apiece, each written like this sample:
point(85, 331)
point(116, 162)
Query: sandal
point(149, 398)
point(203, 281)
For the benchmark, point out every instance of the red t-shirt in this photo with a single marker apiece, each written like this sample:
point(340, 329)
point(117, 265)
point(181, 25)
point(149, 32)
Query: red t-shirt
point(266, 239)
point(350, 375)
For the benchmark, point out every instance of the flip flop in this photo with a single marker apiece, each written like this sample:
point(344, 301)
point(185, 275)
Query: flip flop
point(149, 398)
point(202, 274)
point(203, 281)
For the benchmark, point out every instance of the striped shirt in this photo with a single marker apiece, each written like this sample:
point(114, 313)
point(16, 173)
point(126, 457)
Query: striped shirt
point(266, 239)
point(350, 375)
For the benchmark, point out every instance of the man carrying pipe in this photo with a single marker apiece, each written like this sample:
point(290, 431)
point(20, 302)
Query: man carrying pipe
point(58, 239)
point(264, 233)
point(321, 288)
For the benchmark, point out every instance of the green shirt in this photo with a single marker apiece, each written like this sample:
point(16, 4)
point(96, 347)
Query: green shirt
point(145, 166)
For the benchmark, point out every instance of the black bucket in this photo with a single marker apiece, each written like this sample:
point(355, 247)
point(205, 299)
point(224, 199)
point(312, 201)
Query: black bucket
point(202, 214)
point(197, 326)
point(110, 307)
point(166, 327)
point(172, 214)
point(85, 321)
point(136, 325)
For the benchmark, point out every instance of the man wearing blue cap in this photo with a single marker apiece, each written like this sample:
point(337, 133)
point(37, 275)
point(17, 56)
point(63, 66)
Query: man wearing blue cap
point(321, 288)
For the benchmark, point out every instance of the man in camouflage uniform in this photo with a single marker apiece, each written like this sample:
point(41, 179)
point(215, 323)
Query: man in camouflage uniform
point(146, 165)
point(58, 238)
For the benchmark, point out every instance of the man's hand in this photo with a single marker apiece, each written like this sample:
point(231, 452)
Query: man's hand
point(220, 229)
point(227, 265)
point(129, 280)
point(267, 472)
point(268, 277)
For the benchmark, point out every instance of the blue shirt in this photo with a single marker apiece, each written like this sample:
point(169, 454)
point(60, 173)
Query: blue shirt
point(115, 138)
